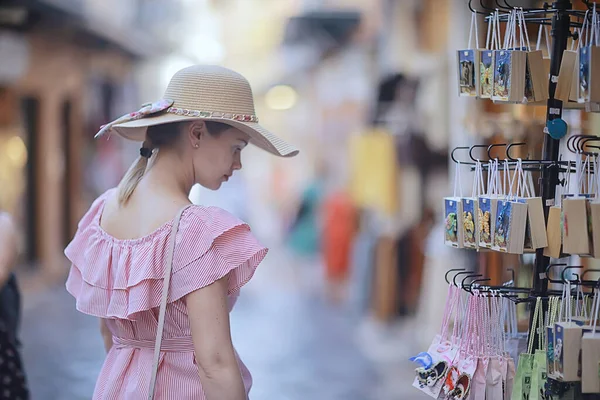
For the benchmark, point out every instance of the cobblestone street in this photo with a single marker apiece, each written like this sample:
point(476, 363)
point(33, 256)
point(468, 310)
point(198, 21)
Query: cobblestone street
point(297, 344)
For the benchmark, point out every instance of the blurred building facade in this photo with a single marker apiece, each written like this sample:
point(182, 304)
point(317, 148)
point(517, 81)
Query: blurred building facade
point(66, 69)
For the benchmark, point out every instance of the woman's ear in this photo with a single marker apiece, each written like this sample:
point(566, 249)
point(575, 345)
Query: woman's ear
point(196, 132)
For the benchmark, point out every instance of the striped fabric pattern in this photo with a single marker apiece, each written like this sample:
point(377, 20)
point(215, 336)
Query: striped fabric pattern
point(121, 281)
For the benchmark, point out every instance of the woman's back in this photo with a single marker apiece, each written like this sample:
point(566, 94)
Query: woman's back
point(146, 210)
point(120, 279)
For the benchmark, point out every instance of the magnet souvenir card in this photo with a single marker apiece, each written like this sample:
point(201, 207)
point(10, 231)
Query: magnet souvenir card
point(484, 212)
point(510, 68)
point(468, 61)
point(487, 206)
point(469, 213)
point(509, 229)
point(470, 206)
point(486, 58)
point(453, 236)
point(453, 214)
point(510, 222)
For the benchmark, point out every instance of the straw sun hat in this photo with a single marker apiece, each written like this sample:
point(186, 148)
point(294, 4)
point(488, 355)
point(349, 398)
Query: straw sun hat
point(210, 93)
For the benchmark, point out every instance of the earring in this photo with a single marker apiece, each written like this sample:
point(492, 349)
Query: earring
point(196, 145)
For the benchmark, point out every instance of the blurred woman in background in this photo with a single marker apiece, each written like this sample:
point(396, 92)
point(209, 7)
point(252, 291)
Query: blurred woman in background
point(12, 375)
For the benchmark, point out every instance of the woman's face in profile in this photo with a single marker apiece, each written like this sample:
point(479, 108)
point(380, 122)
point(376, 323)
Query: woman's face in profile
point(218, 157)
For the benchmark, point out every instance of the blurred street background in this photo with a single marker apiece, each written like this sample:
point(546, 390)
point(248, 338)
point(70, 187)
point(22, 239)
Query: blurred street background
point(367, 89)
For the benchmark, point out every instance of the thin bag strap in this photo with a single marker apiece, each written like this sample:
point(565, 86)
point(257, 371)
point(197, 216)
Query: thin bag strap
point(163, 301)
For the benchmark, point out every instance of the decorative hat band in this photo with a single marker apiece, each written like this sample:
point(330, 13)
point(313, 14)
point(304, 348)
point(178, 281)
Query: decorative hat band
point(213, 114)
point(150, 109)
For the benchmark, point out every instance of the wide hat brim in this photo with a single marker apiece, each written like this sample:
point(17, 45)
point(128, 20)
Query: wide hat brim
point(136, 130)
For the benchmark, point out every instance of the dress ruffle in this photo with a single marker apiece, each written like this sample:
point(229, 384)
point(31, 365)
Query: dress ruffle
point(112, 278)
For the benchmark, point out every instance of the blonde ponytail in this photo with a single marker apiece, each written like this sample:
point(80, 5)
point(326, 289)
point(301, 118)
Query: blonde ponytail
point(134, 174)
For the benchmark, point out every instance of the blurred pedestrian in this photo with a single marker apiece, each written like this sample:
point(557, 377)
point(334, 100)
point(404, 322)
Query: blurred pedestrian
point(13, 384)
point(304, 233)
point(340, 222)
point(136, 236)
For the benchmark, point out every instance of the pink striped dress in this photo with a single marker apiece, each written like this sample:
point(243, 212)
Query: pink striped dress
point(121, 281)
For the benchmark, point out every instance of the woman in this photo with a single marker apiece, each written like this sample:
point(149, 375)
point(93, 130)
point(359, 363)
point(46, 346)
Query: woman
point(12, 376)
point(195, 134)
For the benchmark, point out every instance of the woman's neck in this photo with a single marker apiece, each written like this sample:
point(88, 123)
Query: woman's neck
point(169, 174)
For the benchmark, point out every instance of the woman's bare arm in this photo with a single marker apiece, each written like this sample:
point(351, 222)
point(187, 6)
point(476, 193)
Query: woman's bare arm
point(106, 335)
point(217, 364)
point(8, 247)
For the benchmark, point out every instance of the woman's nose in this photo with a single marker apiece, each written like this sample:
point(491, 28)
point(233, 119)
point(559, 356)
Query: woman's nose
point(237, 162)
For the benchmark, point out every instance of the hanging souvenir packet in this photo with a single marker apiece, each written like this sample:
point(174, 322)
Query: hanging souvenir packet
point(540, 67)
point(589, 64)
point(434, 364)
point(590, 352)
point(510, 67)
point(470, 208)
point(514, 344)
point(497, 366)
point(535, 227)
point(535, 216)
point(453, 210)
point(536, 81)
point(576, 224)
point(594, 211)
point(486, 69)
point(567, 342)
point(574, 92)
point(469, 64)
point(522, 386)
point(554, 303)
point(555, 389)
point(510, 221)
point(486, 207)
point(566, 81)
point(460, 375)
point(554, 225)
point(538, 370)
point(483, 349)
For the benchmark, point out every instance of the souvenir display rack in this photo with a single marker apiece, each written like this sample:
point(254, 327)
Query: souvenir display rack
point(476, 357)
point(558, 15)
